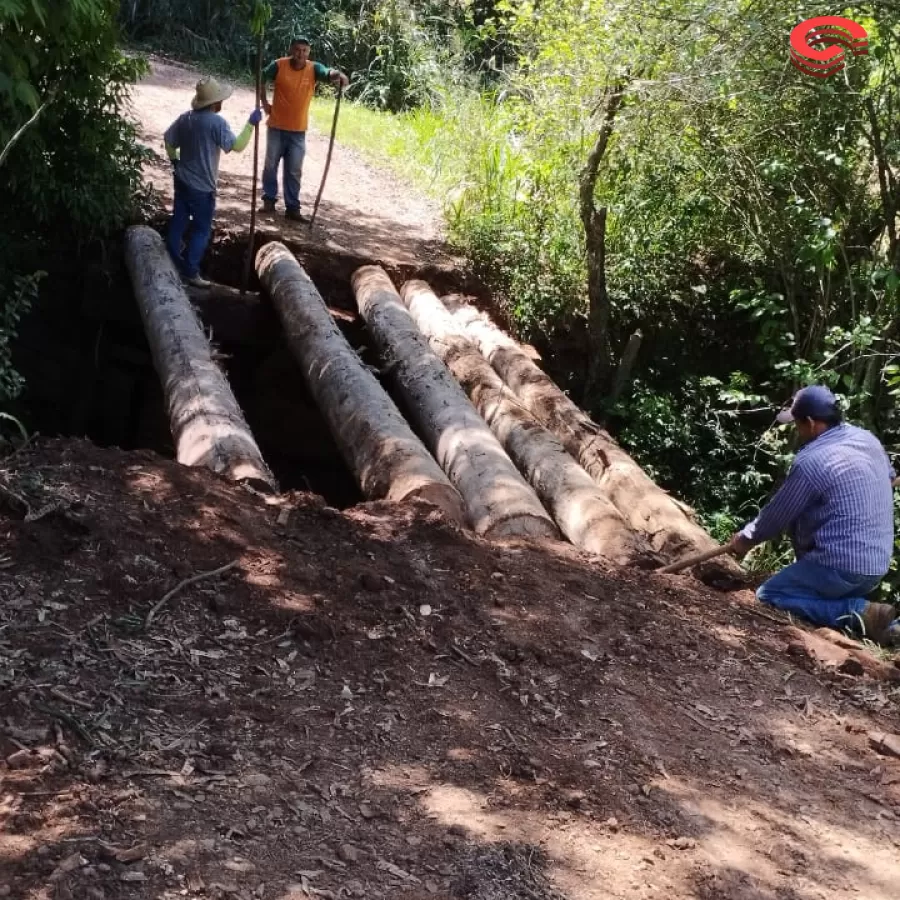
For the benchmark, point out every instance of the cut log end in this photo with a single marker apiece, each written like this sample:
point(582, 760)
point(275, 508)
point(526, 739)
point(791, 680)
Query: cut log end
point(662, 522)
point(446, 499)
point(522, 527)
point(248, 474)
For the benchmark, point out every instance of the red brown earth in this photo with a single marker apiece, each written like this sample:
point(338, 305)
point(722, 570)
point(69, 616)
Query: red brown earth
point(372, 703)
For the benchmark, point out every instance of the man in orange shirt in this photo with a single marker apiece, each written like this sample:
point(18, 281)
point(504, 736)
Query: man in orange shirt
point(295, 78)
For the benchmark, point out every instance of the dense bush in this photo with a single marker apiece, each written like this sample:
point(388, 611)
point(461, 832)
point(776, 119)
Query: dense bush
point(398, 53)
point(71, 171)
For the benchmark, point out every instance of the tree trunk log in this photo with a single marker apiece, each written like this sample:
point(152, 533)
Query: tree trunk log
point(622, 380)
point(666, 523)
point(498, 500)
point(387, 459)
point(593, 220)
point(585, 516)
point(207, 424)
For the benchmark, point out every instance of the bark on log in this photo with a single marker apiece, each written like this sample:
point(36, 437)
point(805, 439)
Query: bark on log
point(498, 500)
point(207, 424)
point(387, 459)
point(585, 516)
point(666, 523)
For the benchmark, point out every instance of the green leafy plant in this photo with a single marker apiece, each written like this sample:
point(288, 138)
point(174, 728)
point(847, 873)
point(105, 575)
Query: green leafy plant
point(71, 162)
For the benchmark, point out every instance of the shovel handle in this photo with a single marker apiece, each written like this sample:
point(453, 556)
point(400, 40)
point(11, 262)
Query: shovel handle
point(694, 560)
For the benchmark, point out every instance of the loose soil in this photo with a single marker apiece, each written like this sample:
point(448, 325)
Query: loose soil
point(372, 703)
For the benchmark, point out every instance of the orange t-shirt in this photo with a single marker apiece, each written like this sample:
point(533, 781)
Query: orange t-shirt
point(294, 89)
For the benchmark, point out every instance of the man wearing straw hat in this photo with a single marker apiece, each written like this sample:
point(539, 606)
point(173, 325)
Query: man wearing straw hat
point(194, 142)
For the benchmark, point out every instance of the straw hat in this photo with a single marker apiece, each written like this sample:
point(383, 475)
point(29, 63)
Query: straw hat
point(209, 91)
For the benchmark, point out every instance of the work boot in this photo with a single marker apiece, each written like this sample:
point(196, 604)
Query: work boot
point(295, 215)
point(197, 282)
point(268, 206)
point(877, 619)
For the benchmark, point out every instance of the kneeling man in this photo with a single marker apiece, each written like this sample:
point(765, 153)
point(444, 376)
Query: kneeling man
point(837, 505)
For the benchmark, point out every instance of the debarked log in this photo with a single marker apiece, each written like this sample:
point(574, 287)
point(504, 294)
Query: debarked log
point(498, 500)
point(666, 523)
point(387, 459)
point(207, 423)
point(585, 516)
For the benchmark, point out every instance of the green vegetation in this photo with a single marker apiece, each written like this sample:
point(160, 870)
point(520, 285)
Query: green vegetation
point(398, 52)
point(747, 225)
point(415, 143)
point(69, 163)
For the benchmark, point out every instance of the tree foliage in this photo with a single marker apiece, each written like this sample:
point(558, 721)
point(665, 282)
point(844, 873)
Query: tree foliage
point(397, 52)
point(71, 166)
point(749, 221)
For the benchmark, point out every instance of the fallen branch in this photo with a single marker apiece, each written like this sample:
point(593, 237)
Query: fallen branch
point(60, 694)
point(463, 655)
point(183, 584)
point(277, 637)
point(25, 436)
point(48, 508)
point(19, 504)
point(69, 720)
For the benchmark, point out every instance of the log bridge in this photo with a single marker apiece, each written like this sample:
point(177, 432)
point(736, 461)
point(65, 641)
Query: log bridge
point(471, 424)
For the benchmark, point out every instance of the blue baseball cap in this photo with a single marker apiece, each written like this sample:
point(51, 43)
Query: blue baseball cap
point(813, 402)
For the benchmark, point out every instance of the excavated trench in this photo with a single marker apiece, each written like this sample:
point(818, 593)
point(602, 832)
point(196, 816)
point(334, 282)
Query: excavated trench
point(89, 372)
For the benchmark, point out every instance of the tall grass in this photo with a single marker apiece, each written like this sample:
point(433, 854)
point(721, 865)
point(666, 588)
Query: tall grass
point(510, 210)
point(427, 147)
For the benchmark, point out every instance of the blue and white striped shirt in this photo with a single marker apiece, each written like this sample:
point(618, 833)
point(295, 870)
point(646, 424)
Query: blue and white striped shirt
point(836, 503)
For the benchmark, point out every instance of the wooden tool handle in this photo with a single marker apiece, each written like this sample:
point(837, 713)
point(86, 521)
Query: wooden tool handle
point(692, 560)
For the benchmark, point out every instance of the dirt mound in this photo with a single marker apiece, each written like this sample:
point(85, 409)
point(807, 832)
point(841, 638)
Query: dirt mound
point(372, 703)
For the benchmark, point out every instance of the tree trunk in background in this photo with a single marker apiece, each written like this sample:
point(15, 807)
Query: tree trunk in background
point(377, 444)
point(498, 500)
point(887, 185)
point(585, 516)
point(207, 424)
point(661, 519)
point(593, 220)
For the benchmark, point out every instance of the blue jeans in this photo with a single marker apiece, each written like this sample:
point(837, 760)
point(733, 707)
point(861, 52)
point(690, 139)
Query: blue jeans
point(197, 208)
point(817, 593)
point(291, 147)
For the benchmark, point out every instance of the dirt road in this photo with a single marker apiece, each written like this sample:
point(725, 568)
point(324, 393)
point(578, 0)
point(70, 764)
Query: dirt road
point(364, 210)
